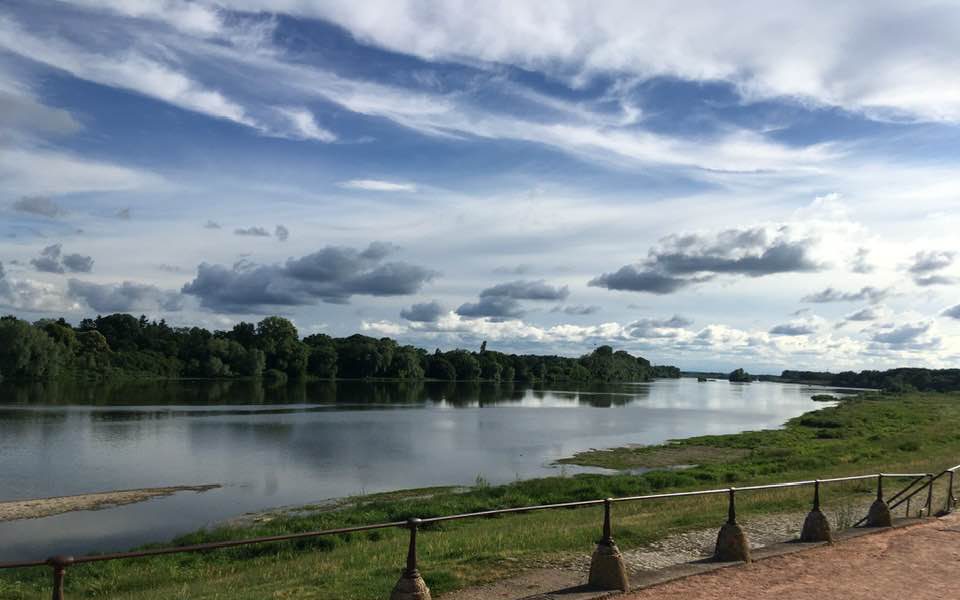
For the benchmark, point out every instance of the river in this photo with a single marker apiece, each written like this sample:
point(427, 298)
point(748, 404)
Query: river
point(297, 444)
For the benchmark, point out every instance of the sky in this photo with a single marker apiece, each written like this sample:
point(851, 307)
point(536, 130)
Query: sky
point(760, 185)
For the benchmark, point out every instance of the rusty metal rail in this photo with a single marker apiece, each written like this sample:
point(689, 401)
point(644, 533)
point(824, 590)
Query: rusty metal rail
point(411, 581)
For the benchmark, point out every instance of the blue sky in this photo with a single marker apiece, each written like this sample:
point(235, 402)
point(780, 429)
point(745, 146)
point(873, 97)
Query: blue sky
point(710, 188)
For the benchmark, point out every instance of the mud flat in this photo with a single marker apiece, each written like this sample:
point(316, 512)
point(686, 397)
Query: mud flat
point(47, 507)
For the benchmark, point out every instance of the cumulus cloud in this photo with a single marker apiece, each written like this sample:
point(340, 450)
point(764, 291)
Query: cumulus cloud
point(423, 312)
point(281, 233)
point(332, 274)
point(794, 328)
point(6, 290)
point(527, 290)
point(903, 335)
point(43, 206)
point(683, 260)
point(925, 264)
point(126, 296)
point(31, 296)
point(252, 231)
point(49, 260)
point(952, 312)
point(659, 328)
point(870, 313)
point(929, 280)
point(576, 309)
point(502, 301)
point(861, 262)
point(52, 260)
point(494, 307)
point(78, 263)
point(865, 294)
point(377, 185)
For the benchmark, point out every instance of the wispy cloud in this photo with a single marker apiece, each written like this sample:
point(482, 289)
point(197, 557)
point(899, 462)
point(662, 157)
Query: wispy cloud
point(377, 185)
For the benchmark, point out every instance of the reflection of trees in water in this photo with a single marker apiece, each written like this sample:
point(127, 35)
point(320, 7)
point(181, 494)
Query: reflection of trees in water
point(354, 393)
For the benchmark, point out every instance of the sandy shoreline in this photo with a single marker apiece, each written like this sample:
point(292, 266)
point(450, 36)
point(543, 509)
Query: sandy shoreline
point(46, 507)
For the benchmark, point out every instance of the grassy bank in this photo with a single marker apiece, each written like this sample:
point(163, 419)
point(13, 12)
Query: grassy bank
point(915, 432)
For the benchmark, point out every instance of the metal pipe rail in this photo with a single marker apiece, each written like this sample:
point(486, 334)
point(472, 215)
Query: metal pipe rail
point(60, 563)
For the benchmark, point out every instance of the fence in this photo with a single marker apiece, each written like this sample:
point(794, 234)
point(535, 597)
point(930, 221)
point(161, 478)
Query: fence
point(606, 570)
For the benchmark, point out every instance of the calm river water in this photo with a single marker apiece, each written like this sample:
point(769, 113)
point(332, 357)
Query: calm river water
point(303, 443)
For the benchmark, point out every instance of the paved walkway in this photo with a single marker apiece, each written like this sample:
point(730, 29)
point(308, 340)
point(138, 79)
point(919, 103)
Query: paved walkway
point(917, 562)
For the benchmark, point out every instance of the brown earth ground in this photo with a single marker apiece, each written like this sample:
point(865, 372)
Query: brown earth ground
point(919, 562)
point(47, 507)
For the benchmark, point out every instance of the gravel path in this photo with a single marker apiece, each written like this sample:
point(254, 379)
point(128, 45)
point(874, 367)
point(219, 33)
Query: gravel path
point(761, 530)
point(920, 562)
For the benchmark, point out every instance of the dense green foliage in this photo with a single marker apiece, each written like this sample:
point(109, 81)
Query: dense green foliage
point(893, 380)
point(122, 345)
point(912, 433)
point(740, 376)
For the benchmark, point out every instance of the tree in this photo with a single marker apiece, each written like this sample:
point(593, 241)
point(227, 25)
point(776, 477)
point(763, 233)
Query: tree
point(440, 368)
point(466, 366)
point(740, 376)
point(323, 356)
point(28, 352)
point(280, 342)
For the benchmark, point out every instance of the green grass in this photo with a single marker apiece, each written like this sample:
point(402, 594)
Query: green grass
point(915, 432)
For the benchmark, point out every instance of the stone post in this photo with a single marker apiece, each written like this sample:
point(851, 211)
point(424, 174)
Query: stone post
point(607, 571)
point(411, 585)
point(732, 543)
point(816, 527)
point(879, 513)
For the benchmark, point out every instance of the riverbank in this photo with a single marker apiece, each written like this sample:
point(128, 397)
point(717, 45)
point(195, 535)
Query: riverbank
point(915, 432)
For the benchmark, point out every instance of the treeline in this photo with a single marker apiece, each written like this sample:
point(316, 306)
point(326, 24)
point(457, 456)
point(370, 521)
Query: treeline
point(122, 345)
point(892, 380)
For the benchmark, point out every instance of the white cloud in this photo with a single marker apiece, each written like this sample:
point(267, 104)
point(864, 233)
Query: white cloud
point(40, 171)
point(887, 59)
point(377, 185)
point(303, 125)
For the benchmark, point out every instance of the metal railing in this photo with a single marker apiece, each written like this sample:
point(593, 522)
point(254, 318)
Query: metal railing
point(60, 563)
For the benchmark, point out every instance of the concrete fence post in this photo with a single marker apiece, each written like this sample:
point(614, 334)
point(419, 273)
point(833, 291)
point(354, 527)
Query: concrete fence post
point(607, 571)
point(411, 585)
point(816, 527)
point(879, 513)
point(732, 542)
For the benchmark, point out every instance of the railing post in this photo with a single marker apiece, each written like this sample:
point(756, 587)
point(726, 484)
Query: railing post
point(607, 571)
point(879, 513)
point(816, 527)
point(732, 543)
point(950, 498)
point(59, 565)
point(411, 585)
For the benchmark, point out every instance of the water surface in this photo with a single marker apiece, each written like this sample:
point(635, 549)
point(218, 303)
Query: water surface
point(297, 444)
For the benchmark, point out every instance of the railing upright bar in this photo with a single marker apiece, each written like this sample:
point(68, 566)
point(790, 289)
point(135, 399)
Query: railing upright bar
point(950, 494)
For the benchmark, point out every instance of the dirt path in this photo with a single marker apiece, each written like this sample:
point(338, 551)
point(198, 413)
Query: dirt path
point(47, 507)
point(919, 562)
